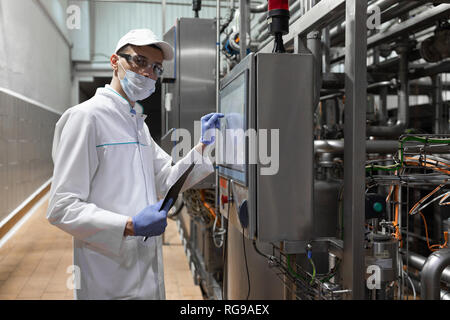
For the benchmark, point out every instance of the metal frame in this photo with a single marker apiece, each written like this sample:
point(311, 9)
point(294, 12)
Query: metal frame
point(355, 146)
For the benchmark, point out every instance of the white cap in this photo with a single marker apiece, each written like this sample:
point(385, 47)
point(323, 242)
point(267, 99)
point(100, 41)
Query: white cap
point(144, 37)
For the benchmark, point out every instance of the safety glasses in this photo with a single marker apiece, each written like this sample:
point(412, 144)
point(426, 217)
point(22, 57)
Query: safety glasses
point(142, 62)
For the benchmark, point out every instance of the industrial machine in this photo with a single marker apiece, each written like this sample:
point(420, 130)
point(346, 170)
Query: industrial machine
point(333, 158)
point(261, 100)
point(188, 93)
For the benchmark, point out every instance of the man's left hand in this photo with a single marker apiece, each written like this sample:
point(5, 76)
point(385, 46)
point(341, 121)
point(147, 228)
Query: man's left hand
point(210, 122)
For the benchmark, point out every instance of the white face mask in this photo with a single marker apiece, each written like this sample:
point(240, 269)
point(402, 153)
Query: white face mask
point(136, 86)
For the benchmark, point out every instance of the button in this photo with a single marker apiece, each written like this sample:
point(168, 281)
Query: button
point(378, 207)
point(224, 199)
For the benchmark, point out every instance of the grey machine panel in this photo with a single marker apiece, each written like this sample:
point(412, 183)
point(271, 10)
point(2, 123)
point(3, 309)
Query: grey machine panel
point(279, 194)
point(285, 199)
point(196, 70)
point(189, 80)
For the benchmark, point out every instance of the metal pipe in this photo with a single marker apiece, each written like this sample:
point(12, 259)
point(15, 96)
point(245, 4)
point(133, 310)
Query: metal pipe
point(403, 100)
point(337, 34)
point(243, 30)
point(229, 18)
point(431, 274)
point(382, 111)
point(444, 295)
point(355, 147)
point(259, 8)
point(372, 146)
point(381, 84)
point(314, 44)
point(233, 43)
point(217, 103)
point(438, 103)
point(417, 261)
point(326, 50)
point(163, 13)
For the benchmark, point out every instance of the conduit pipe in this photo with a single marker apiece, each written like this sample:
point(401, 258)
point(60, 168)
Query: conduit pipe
point(403, 101)
point(372, 146)
point(259, 8)
point(430, 276)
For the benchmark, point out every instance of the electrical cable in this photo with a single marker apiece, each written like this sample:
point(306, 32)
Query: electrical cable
point(414, 209)
point(291, 270)
point(332, 272)
point(432, 247)
point(400, 164)
point(225, 250)
point(411, 283)
point(442, 197)
point(246, 264)
point(271, 258)
point(314, 271)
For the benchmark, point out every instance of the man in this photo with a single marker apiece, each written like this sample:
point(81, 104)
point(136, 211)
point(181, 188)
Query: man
point(108, 174)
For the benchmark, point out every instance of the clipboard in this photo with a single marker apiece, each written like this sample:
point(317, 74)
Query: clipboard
point(174, 190)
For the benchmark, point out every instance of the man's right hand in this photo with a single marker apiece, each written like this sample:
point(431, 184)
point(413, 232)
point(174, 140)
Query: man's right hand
point(151, 221)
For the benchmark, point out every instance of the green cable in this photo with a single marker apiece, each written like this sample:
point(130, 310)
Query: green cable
point(314, 271)
point(419, 139)
point(397, 166)
point(292, 270)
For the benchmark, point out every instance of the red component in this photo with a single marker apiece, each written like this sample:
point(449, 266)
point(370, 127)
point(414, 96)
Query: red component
point(224, 199)
point(278, 4)
point(223, 183)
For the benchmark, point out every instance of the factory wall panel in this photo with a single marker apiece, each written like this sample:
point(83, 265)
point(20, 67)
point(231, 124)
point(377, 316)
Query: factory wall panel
point(113, 20)
point(34, 55)
point(26, 135)
point(35, 86)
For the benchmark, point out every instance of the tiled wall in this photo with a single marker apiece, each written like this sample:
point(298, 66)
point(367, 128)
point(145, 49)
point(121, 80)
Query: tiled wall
point(26, 136)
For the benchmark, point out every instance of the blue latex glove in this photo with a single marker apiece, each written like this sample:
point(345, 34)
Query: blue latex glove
point(151, 221)
point(210, 122)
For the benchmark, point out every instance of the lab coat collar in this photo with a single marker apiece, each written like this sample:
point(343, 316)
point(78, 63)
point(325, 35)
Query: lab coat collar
point(121, 102)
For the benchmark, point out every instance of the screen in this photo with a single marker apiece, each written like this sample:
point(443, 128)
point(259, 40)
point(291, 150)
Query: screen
point(233, 101)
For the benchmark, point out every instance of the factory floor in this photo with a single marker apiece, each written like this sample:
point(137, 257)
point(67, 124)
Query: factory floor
point(34, 263)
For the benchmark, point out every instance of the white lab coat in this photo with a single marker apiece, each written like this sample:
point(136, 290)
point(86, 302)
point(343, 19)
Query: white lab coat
point(107, 168)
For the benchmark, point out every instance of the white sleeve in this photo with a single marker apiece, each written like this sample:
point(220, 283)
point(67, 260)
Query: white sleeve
point(75, 162)
point(166, 174)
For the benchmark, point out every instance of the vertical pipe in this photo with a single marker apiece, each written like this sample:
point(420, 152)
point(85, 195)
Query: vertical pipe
point(165, 116)
point(437, 103)
point(163, 9)
point(403, 92)
point(217, 97)
point(355, 147)
point(243, 30)
point(399, 221)
point(314, 44)
point(326, 50)
point(430, 276)
point(383, 115)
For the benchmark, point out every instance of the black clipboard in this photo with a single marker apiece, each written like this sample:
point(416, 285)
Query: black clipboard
point(175, 189)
